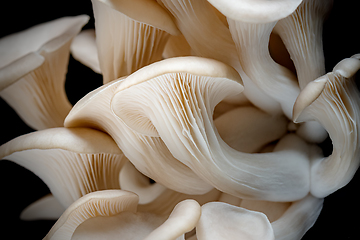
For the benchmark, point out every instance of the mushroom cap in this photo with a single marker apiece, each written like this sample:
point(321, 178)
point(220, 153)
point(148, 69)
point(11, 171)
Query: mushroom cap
point(21, 52)
point(256, 11)
point(145, 11)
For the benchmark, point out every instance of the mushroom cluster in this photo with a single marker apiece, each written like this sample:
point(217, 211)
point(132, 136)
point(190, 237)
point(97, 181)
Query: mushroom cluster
point(209, 122)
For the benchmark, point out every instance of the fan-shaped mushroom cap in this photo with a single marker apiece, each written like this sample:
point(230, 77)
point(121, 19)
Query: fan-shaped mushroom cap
point(178, 107)
point(101, 203)
point(94, 111)
point(33, 65)
point(217, 217)
point(256, 11)
point(72, 162)
point(130, 35)
point(83, 48)
point(333, 100)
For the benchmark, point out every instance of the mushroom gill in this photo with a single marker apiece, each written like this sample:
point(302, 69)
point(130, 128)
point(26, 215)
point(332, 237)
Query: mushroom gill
point(333, 101)
point(129, 36)
point(178, 107)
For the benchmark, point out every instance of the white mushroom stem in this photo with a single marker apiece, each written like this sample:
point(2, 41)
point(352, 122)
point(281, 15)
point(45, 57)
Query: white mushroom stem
point(143, 151)
point(179, 106)
point(182, 219)
point(83, 48)
point(252, 44)
point(222, 221)
point(209, 37)
point(301, 33)
point(298, 218)
point(125, 44)
point(71, 162)
point(333, 100)
point(101, 203)
point(33, 66)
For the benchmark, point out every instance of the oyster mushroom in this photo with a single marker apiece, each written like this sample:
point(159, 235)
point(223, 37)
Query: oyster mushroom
point(179, 108)
point(33, 64)
point(112, 213)
point(143, 150)
point(333, 101)
point(130, 35)
point(72, 162)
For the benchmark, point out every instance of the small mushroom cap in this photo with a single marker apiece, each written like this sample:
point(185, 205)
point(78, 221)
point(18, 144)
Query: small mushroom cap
point(256, 11)
point(146, 11)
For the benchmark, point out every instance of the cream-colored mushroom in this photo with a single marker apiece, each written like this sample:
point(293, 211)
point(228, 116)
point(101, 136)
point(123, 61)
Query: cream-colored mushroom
point(333, 100)
point(217, 217)
point(112, 213)
point(301, 33)
point(178, 107)
point(95, 204)
point(209, 37)
point(71, 162)
point(143, 150)
point(33, 65)
point(83, 48)
point(130, 35)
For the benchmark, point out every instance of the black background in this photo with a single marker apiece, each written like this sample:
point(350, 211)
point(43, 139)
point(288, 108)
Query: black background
point(19, 187)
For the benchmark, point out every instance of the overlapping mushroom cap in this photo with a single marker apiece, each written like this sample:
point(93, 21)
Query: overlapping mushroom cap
point(204, 134)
